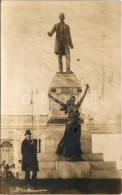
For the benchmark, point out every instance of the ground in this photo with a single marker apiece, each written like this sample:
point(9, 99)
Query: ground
point(62, 186)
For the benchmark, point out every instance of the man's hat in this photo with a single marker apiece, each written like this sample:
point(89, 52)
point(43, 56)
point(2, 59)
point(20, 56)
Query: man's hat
point(28, 132)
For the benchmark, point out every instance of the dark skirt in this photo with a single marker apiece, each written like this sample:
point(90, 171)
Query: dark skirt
point(70, 145)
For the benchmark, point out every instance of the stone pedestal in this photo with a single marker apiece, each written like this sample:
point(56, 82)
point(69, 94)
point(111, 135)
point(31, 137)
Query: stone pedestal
point(62, 87)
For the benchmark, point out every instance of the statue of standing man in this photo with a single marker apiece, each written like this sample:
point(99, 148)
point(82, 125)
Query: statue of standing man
point(63, 43)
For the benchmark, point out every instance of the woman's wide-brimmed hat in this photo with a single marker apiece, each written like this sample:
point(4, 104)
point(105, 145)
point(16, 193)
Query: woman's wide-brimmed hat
point(28, 132)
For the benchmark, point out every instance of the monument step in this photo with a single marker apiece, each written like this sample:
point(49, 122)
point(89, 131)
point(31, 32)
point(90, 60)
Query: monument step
point(50, 174)
point(92, 156)
point(106, 174)
point(101, 165)
point(73, 169)
point(68, 173)
point(41, 174)
point(51, 165)
point(79, 169)
point(51, 156)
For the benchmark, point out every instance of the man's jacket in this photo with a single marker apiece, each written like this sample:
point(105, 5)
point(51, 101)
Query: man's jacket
point(29, 156)
point(67, 41)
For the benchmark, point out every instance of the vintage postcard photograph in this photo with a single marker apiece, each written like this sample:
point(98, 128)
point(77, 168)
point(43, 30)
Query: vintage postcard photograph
point(60, 97)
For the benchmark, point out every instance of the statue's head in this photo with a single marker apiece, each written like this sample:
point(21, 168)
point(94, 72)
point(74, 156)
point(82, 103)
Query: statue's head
point(71, 101)
point(61, 16)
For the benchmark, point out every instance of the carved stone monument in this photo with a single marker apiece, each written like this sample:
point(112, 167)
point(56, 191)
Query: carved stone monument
point(62, 87)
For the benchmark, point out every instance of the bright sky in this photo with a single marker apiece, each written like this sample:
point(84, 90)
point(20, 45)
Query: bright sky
point(28, 59)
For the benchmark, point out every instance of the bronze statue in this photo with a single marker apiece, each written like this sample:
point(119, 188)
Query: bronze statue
point(63, 43)
point(70, 145)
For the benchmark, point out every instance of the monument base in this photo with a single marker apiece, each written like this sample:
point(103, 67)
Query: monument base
point(55, 166)
point(83, 169)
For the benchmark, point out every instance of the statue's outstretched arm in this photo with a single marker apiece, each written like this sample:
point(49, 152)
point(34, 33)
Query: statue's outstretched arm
point(56, 100)
point(52, 31)
point(83, 96)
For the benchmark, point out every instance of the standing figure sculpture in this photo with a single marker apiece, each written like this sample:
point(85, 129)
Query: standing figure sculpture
point(70, 145)
point(63, 43)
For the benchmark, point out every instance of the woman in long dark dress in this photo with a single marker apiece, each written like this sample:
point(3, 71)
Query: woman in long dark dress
point(70, 145)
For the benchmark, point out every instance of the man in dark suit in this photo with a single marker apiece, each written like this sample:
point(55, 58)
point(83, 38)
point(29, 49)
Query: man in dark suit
point(63, 42)
point(29, 156)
